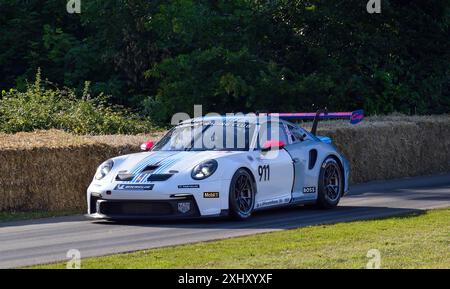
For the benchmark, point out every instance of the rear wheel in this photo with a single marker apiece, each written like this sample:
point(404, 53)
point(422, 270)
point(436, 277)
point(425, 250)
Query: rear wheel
point(242, 195)
point(331, 184)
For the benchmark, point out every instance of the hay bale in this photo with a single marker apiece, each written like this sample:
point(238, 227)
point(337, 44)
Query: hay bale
point(380, 150)
point(50, 170)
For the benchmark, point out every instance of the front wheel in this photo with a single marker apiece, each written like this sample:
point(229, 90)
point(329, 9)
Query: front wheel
point(242, 195)
point(331, 184)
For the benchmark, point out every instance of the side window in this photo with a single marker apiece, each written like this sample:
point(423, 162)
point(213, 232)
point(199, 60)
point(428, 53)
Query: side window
point(265, 134)
point(291, 133)
point(296, 134)
point(283, 136)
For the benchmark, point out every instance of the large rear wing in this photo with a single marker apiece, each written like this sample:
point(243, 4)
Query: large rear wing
point(354, 116)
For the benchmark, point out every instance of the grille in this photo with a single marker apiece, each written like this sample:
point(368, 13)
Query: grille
point(136, 208)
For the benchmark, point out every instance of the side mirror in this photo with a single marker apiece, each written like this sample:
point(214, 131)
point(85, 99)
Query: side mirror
point(148, 145)
point(273, 145)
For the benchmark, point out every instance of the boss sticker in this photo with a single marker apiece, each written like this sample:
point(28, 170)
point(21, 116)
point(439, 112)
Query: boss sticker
point(309, 190)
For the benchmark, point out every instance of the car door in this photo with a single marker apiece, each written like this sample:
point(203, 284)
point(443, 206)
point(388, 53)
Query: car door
point(273, 171)
point(303, 151)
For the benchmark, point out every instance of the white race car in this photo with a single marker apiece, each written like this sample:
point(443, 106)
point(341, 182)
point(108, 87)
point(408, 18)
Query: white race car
point(223, 166)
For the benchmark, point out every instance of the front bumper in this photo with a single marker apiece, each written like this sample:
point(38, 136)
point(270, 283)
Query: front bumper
point(143, 209)
point(163, 200)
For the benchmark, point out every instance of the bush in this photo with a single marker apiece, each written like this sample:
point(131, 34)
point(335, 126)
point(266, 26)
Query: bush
point(47, 108)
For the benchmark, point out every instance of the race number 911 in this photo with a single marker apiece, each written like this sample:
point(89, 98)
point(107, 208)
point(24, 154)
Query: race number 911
point(264, 173)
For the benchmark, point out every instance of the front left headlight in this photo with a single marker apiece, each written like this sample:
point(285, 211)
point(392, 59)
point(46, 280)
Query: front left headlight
point(104, 169)
point(204, 170)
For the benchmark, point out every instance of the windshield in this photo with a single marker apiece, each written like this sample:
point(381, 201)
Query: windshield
point(205, 136)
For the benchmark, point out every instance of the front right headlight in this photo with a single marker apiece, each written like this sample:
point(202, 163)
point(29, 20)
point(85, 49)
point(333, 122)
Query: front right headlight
point(104, 169)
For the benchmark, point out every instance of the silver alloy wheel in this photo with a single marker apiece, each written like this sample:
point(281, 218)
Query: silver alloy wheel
point(332, 181)
point(243, 194)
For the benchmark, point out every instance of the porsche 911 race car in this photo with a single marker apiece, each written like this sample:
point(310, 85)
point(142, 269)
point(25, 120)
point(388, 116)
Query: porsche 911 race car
point(224, 166)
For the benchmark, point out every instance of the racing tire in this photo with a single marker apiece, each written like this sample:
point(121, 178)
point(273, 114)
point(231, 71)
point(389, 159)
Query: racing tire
point(331, 184)
point(241, 195)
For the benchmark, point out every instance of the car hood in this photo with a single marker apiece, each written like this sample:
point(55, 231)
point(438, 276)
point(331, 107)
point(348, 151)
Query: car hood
point(167, 160)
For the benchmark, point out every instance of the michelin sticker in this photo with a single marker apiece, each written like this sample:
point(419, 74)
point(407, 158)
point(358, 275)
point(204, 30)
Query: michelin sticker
point(123, 187)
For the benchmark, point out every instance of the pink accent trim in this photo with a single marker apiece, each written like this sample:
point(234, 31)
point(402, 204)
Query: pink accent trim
point(273, 144)
point(312, 114)
point(148, 145)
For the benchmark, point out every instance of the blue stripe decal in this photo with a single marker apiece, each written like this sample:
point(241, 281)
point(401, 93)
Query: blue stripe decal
point(144, 178)
point(135, 178)
point(139, 165)
point(165, 165)
point(163, 161)
point(145, 163)
point(168, 162)
point(152, 159)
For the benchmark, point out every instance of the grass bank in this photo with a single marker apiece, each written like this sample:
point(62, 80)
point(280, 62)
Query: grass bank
point(408, 241)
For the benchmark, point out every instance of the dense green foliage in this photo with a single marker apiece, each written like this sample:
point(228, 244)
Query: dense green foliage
point(162, 57)
point(47, 108)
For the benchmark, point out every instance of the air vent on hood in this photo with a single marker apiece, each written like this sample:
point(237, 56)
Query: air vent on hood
point(159, 177)
point(149, 169)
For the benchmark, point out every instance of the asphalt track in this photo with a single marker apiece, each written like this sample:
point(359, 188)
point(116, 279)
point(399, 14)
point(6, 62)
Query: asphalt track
point(24, 243)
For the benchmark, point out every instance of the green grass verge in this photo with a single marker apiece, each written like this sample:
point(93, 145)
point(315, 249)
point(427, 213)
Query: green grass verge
point(18, 216)
point(409, 241)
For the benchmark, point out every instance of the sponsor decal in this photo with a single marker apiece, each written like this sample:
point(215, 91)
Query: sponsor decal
point(357, 116)
point(309, 190)
point(194, 186)
point(123, 187)
point(210, 195)
point(273, 202)
point(184, 207)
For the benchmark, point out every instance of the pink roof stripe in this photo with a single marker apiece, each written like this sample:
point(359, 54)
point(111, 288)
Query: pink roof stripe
point(312, 114)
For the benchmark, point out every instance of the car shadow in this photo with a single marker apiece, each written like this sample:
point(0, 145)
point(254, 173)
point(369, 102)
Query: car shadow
point(282, 218)
point(425, 188)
